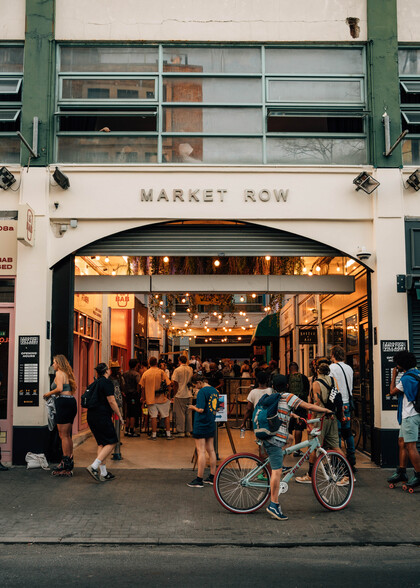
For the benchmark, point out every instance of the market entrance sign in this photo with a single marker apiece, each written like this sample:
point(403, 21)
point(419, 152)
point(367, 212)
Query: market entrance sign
point(192, 195)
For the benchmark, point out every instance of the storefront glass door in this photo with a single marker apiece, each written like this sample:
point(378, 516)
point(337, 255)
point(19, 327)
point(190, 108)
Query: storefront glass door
point(6, 384)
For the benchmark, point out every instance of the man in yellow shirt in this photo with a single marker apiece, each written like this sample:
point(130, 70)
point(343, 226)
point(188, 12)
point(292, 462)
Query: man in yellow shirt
point(156, 400)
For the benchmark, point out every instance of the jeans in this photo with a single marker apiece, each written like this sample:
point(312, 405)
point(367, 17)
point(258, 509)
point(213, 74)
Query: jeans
point(344, 429)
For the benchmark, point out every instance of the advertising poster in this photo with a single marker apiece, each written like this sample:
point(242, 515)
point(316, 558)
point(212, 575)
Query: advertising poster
point(221, 415)
point(388, 350)
point(28, 370)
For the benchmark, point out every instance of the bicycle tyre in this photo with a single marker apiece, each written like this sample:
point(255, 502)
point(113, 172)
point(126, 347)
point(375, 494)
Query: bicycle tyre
point(356, 430)
point(227, 484)
point(328, 470)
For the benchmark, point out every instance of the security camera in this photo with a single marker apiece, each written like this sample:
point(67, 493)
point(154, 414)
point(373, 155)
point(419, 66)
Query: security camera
point(363, 254)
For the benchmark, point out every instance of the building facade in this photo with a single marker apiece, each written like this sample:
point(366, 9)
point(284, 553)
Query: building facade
point(259, 114)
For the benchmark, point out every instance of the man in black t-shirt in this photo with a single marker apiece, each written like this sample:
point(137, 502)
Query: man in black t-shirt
point(131, 391)
point(215, 378)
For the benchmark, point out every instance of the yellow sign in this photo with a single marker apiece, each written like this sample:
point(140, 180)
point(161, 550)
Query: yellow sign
point(8, 247)
point(89, 304)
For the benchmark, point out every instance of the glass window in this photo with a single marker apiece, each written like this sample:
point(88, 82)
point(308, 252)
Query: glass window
point(411, 151)
point(109, 59)
point(11, 59)
point(7, 291)
point(212, 90)
point(107, 149)
point(108, 89)
point(10, 85)
point(352, 334)
point(9, 149)
point(212, 150)
point(9, 115)
point(326, 91)
point(4, 363)
point(412, 118)
point(313, 150)
point(284, 60)
point(411, 87)
point(82, 323)
point(409, 62)
point(279, 122)
point(89, 327)
point(212, 60)
point(107, 121)
point(211, 120)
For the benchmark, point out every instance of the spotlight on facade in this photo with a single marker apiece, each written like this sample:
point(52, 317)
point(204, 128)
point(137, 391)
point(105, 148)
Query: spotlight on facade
point(61, 179)
point(366, 182)
point(6, 178)
point(413, 180)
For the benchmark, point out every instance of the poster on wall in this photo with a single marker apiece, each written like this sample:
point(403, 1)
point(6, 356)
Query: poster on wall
point(388, 350)
point(28, 370)
point(221, 415)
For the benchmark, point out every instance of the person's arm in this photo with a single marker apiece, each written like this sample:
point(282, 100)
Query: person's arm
point(317, 406)
point(59, 380)
point(393, 388)
point(193, 407)
point(113, 404)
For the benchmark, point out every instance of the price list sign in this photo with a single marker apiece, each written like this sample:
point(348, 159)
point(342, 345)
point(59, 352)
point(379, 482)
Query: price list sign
point(28, 370)
point(388, 350)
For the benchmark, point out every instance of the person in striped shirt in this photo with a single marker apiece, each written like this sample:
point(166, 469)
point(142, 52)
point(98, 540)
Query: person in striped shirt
point(274, 445)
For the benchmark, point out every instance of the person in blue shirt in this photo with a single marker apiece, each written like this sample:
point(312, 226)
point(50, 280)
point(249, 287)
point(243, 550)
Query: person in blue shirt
point(204, 428)
point(408, 417)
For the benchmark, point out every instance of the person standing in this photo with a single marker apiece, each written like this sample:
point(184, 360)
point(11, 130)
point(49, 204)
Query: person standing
point(118, 382)
point(63, 389)
point(204, 429)
point(157, 400)
point(131, 392)
point(215, 377)
point(99, 419)
point(343, 375)
point(299, 386)
point(181, 379)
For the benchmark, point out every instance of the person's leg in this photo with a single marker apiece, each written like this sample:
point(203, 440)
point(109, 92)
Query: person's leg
point(275, 485)
point(402, 453)
point(298, 436)
point(188, 417)
point(66, 439)
point(105, 451)
point(200, 445)
point(414, 456)
point(179, 415)
point(212, 454)
point(347, 436)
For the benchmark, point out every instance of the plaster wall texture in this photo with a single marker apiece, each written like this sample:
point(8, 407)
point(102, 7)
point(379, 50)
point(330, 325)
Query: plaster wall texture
point(408, 12)
point(12, 24)
point(220, 20)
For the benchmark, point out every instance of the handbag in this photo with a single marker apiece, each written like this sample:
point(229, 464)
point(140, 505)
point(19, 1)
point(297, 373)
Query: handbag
point(36, 460)
point(351, 401)
point(163, 388)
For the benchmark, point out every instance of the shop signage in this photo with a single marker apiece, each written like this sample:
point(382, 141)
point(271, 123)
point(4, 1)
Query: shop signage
point(388, 350)
point(26, 225)
point(28, 370)
point(121, 301)
point(308, 335)
point(191, 195)
point(8, 247)
point(221, 414)
point(89, 304)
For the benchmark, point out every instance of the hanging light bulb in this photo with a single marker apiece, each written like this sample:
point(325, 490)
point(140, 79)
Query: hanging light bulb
point(304, 270)
point(318, 269)
point(163, 315)
point(267, 258)
point(97, 258)
point(161, 303)
point(338, 267)
point(156, 295)
point(239, 338)
point(242, 299)
point(227, 322)
point(188, 309)
point(196, 316)
point(174, 313)
point(220, 316)
point(183, 300)
point(106, 259)
point(310, 273)
point(216, 262)
point(165, 259)
point(253, 295)
point(114, 273)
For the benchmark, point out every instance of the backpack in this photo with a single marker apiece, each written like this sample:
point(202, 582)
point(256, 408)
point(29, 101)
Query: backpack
point(416, 401)
point(265, 419)
point(334, 401)
point(296, 386)
point(90, 397)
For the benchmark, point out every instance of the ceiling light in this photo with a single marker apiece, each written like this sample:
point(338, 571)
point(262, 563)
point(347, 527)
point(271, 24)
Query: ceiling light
point(97, 258)
point(216, 262)
point(242, 299)
point(318, 269)
point(338, 267)
point(239, 338)
point(188, 309)
point(161, 302)
point(156, 295)
point(163, 315)
point(246, 319)
point(114, 272)
point(220, 316)
point(205, 341)
point(210, 339)
point(183, 300)
point(304, 270)
point(165, 259)
point(227, 322)
point(106, 259)
point(366, 182)
point(174, 313)
point(230, 330)
point(267, 258)
point(310, 273)
point(253, 295)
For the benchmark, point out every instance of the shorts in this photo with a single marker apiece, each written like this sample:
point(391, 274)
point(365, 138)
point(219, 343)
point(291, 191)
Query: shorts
point(329, 438)
point(410, 429)
point(204, 435)
point(132, 405)
point(163, 409)
point(294, 424)
point(66, 409)
point(275, 455)
point(102, 428)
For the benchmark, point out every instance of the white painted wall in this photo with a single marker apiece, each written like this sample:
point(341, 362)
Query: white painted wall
point(12, 23)
point(220, 20)
point(408, 14)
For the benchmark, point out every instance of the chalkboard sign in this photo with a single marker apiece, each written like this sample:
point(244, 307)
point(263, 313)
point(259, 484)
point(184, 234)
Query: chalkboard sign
point(308, 335)
point(388, 350)
point(28, 370)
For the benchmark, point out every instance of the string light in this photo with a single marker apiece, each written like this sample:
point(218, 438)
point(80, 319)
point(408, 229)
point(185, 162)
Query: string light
point(242, 299)
point(106, 259)
point(318, 269)
point(161, 303)
point(165, 259)
point(253, 295)
point(216, 262)
point(267, 258)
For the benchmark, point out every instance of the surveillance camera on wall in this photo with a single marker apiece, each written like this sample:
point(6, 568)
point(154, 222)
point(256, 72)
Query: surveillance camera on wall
point(363, 254)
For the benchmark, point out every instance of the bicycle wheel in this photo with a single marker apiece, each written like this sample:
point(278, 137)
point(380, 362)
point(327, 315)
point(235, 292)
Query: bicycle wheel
point(329, 472)
point(356, 430)
point(229, 488)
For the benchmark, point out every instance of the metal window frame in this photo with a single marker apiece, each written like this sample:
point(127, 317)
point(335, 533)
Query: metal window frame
point(105, 101)
point(313, 79)
point(16, 110)
point(9, 78)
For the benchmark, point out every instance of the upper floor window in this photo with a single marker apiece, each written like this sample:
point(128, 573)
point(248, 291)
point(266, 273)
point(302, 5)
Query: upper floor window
point(11, 69)
point(211, 105)
point(409, 68)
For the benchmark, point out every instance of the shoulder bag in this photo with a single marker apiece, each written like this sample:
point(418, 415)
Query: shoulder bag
point(351, 401)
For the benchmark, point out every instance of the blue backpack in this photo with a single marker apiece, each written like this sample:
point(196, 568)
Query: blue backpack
point(265, 418)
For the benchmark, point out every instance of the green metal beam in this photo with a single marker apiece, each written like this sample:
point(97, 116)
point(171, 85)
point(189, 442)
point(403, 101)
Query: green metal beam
point(383, 77)
point(38, 76)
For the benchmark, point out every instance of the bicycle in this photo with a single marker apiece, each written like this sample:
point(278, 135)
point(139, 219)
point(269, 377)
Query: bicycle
point(356, 430)
point(242, 481)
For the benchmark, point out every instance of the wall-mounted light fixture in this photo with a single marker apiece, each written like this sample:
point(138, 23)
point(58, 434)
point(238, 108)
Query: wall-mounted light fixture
point(6, 178)
point(414, 180)
point(63, 229)
point(366, 182)
point(61, 179)
point(73, 223)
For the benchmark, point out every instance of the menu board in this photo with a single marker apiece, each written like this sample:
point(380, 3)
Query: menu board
point(388, 350)
point(28, 370)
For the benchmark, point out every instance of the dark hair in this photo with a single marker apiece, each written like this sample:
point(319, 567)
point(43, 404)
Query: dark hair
point(132, 363)
point(262, 377)
point(152, 361)
point(198, 378)
point(324, 369)
point(320, 360)
point(294, 366)
point(338, 353)
point(405, 359)
point(182, 359)
point(101, 369)
point(280, 383)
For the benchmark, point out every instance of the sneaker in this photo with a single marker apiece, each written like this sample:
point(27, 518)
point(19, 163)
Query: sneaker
point(135, 435)
point(94, 473)
point(196, 484)
point(286, 469)
point(108, 477)
point(209, 480)
point(170, 438)
point(306, 479)
point(344, 481)
point(188, 435)
point(179, 435)
point(152, 438)
point(275, 511)
point(297, 453)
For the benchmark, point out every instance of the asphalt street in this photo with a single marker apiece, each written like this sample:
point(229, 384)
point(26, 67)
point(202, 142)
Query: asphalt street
point(113, 565)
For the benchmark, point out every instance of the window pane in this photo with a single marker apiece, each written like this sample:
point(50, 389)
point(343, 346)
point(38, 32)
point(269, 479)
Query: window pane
point(313, 61)
point(216, 90)
point(411, 87)
point(325, 91)
point(409, 61)
point(10, 85)
point(211, 150)
point(412, 118)
point(103, 89)
point(11, 59)
point(109, 59)
point(107, 149)
point(212, 60)
point(9, 149)
point(212, 120)
point(411, 151)
point(4, 364)
point(107, 122)
point(7, 290)
point(314, 124)
point(316, 151)
point(8, 115)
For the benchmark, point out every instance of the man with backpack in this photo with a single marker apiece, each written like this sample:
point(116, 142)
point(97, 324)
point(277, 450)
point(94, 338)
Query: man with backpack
point(299, 386)
point(408, 415)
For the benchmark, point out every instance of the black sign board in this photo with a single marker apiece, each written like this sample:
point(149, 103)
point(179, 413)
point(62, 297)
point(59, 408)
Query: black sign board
point(308, 335)
point(28, 370)
point(388, 350)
